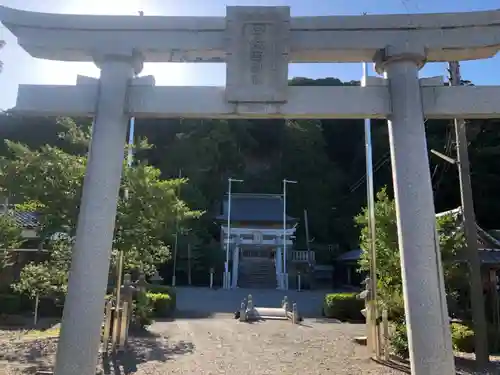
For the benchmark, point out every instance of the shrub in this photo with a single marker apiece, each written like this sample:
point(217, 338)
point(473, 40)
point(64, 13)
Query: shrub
point(343, 306)
point(20, 304)
point(399, 341)
point(462, 337)
point(162, 303)
point(142, 311)
point(163, 289)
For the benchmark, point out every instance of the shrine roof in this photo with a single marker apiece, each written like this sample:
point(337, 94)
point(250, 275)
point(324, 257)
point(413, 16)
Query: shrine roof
point(488, 245)
point(249, 207)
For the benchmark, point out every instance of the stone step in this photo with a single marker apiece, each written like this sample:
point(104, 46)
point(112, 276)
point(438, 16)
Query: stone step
point(257, 273)
point(255, 284)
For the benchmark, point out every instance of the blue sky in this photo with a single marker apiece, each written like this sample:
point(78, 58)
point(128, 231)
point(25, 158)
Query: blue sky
point(19, 67)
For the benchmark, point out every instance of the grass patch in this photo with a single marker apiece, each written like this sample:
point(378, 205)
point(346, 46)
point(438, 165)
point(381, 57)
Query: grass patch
point(35, 334)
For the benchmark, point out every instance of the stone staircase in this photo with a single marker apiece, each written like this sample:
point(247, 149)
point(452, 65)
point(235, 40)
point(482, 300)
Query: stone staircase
point(257, 273)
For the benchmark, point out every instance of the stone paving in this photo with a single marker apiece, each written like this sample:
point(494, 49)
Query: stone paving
point(209, 302)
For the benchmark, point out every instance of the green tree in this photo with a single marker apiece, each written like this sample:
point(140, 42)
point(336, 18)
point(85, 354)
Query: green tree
point(50, 180)
point(10, 238)
point(390, 289)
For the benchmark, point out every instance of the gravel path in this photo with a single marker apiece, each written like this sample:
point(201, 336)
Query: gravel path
point(212, 342)
point(218, 345)
point(225, 346)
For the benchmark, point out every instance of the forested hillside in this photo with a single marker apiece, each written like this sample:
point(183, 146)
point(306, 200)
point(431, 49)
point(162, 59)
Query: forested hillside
point(326, 157)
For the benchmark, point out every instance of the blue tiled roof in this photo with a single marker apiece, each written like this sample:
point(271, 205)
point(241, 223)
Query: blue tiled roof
point(25, 219)
point(254, 207)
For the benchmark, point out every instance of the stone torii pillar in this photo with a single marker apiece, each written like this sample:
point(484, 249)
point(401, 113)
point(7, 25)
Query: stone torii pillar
point(78, 347)
point(423, 283)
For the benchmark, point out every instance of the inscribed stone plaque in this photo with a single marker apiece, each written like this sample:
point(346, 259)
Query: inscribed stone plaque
point(257, 54)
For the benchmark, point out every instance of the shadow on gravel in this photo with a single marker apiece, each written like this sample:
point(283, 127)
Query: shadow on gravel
point(144, 346)
point(31, 355)
point(464, 366)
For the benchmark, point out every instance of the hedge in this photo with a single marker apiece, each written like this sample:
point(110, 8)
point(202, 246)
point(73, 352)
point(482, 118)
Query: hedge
point(343, 306)
point(18, 304)
point(462, 338)
point(163, 304)
point(164, 289)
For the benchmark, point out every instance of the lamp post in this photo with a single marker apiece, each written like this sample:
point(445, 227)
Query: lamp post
point(130, 159)
point(370, 195)
point(227, 282)
point(285, 270)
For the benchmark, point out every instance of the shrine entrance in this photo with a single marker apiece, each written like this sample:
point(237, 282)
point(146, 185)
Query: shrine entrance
point(257, 44)
point(249, 253)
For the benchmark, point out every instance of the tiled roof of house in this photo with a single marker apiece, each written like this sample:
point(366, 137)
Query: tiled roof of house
point(25, 219)
point(484, 239)
point(254, 208)
point(488, 245)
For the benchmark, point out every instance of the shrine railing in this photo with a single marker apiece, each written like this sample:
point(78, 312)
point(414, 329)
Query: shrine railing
point(300, 256)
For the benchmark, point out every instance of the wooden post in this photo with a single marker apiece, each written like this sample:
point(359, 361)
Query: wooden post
point(123, 318)
point(107, 325)
point(115, 333)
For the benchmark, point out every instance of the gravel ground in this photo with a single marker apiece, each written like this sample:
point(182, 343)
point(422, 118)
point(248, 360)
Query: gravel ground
point(220, 345)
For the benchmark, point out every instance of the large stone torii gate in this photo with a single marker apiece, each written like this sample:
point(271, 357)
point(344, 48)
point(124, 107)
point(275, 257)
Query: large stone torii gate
point(257, 44)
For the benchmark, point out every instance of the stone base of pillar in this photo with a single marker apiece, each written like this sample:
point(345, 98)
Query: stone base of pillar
point(282, 281)
point(226, 280)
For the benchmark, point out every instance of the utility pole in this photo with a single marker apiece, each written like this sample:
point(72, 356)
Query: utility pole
point(309, 254)
point(476, 288)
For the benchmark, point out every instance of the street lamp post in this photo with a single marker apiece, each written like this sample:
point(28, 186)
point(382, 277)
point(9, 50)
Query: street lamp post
point(373, 343)
point(130, 159)
point(285, 269)
point(227, 281)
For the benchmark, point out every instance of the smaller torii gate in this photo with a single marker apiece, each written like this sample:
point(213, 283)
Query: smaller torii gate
point(257, 44)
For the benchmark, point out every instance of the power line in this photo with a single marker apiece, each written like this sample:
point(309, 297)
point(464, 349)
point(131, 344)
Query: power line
point(382, 161)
